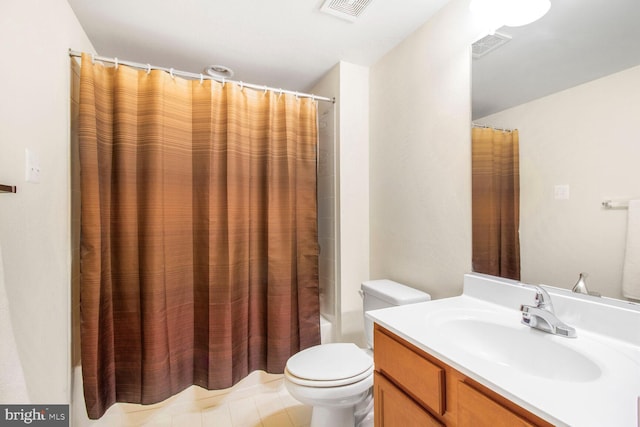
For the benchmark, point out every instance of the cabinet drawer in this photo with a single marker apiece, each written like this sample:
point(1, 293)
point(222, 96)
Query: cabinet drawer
point(419, 377)
point(475, 409)
point(394, 408)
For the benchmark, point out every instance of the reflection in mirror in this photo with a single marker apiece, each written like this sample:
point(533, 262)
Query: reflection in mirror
point(570, 83)
point(495, 195)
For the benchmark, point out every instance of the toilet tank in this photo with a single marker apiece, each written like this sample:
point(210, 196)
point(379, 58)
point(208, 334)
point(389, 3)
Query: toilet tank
point(385, 293)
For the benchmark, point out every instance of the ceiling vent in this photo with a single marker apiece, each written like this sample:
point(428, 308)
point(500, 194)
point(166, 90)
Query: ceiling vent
point(349, 10)
point(489, 43)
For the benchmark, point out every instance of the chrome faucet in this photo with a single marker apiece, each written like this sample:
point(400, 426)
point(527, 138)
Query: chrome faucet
point(542, 316)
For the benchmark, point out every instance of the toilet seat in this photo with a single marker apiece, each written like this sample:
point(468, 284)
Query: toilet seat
point(324, 383)
point(329, 365)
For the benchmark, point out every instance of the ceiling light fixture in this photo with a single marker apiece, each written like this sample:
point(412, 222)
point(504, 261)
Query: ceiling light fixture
point(512, 13)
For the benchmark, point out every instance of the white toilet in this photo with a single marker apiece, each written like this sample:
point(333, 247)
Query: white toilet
point(337, 379)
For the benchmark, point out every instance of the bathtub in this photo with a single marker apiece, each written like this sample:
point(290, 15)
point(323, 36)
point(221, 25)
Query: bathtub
point(326, 330)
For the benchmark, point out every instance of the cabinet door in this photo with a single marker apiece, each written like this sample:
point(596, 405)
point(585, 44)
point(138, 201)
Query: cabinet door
point(476, 409)
point(392, 407)
point(420, 378)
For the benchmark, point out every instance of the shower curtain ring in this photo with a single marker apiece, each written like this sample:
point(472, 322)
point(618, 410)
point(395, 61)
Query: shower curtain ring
point(116, 61)
point(265, 89)
point(148, 68)
point(223, 81)
point(201, 78)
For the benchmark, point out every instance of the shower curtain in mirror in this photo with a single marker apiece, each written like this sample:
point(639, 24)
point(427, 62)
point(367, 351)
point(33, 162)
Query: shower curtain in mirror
point(496, 202)
point(198, 236)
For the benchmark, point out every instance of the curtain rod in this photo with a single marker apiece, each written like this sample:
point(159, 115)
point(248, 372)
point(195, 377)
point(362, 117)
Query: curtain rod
point(200, 76)
point(478, 125)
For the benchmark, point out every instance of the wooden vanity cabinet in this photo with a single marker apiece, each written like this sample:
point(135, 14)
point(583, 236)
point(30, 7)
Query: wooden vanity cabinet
point(413, 388)
point(393, 407)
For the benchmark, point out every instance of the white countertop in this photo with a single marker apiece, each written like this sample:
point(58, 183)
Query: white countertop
point(595, 382)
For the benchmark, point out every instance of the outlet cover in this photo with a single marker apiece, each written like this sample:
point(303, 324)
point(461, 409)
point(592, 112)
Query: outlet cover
point(561, 192)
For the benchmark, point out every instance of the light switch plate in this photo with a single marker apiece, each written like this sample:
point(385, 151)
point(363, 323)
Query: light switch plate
point(32, 167)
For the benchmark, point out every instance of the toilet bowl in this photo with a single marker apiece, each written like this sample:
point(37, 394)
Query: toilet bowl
point(334, 379)
point(337, 379)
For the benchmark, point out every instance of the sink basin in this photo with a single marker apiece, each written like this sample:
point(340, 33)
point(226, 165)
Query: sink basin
point(519, 347)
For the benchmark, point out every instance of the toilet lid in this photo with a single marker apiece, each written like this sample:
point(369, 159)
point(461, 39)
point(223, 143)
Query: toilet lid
point(330, 362)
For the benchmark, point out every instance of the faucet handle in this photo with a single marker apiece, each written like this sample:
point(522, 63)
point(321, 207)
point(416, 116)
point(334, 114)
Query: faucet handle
point(543, 300)
point(581, 285)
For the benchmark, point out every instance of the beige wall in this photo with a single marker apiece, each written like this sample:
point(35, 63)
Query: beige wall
point(586, 137)
point(353, 190)
point(35, 230)
point(421, 158)
point(344, 197)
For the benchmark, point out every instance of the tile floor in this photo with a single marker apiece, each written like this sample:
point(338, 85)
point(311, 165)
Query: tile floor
point(260, 400)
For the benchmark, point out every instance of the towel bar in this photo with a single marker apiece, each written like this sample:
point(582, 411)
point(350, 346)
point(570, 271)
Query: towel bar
point(7, 188)
point(612, 204)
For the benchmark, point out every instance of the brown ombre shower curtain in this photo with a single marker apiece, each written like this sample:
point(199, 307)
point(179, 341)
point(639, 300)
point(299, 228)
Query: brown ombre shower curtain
point(198, 236)
point(496, 202)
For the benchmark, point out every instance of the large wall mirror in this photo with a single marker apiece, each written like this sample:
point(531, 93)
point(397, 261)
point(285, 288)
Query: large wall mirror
point(570, 83)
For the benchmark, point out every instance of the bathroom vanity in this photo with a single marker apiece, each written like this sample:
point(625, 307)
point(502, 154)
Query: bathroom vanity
point(469, 361)
point(411, 385)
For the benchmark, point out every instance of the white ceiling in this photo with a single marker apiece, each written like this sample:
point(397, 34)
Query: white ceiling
point(285, 44)
point(575, 42)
